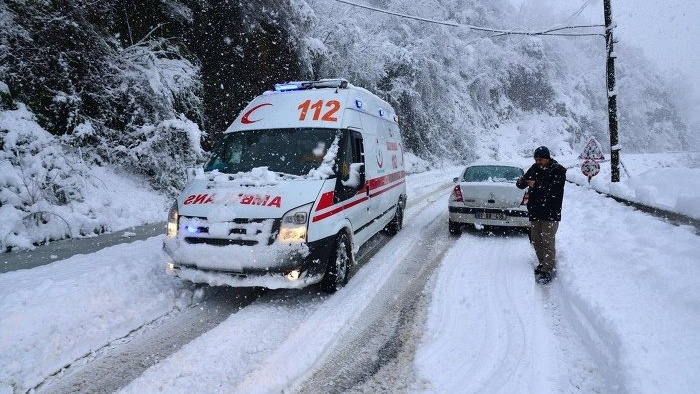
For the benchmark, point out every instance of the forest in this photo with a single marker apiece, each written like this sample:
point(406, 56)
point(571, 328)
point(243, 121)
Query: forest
point(148, 87)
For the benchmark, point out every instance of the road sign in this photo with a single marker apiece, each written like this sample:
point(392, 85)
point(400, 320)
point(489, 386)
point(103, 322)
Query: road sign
point(592, 150)
point(590, 168)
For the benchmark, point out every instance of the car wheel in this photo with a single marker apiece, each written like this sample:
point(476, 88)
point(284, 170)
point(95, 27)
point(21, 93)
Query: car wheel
point(336, 275)
point(396, 223)
point(455, 228)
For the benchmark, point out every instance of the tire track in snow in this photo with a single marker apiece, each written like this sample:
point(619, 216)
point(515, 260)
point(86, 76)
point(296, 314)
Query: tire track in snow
point(509, 333)
point(124, 359)
point(487, 317)
point(380, 342)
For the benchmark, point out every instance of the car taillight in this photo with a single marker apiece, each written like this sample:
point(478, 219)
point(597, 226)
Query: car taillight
point(457, 194)
point(525, 198)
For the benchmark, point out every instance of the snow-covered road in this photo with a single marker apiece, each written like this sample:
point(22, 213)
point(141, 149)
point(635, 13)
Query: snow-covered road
point(479, 323)
point(511, 334)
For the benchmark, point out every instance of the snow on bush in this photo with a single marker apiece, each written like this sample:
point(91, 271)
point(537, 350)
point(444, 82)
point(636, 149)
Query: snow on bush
point(164, 152)
point(48, 192)
point(37, 177)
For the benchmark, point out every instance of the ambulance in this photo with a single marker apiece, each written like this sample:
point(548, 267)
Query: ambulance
point(305, 175)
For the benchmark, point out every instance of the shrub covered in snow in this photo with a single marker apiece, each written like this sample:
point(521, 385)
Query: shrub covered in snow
point(48, 192)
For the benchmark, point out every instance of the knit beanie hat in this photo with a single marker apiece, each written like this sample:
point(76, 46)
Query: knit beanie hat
point(542, 153)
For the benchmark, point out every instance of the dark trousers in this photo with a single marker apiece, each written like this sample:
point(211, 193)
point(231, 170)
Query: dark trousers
point(542, 237)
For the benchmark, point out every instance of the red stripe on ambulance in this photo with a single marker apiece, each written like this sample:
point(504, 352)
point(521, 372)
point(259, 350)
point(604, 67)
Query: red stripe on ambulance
point(326, 200)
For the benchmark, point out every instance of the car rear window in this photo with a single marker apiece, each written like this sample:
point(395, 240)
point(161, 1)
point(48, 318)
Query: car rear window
point(492, 173)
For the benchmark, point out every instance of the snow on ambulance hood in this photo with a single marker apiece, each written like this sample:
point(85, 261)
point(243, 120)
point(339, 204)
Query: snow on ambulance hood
point(257, 194)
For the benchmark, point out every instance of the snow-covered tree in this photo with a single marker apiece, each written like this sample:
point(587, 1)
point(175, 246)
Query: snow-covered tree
point(97, 75)
point(134, 85)
point(454, 85)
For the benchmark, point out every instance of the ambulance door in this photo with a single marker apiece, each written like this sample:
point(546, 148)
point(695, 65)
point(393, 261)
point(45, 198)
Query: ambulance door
point(351, 191)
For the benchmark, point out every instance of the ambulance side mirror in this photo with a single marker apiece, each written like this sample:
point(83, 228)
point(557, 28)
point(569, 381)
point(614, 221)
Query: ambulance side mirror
point(194, 173)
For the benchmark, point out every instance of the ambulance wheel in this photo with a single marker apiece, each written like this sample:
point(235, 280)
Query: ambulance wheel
point(396, 223)
point(337, 268)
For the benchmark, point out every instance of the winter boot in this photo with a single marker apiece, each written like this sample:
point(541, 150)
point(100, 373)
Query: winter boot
point(543, 277)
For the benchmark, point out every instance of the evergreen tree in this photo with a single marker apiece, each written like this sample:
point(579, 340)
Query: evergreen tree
point(243, 49)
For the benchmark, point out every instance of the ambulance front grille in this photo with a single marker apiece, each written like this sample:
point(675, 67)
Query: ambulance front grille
point(243, 232)
point(219, 241)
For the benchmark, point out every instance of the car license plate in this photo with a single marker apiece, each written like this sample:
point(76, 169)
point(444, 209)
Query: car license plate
point(490, 215)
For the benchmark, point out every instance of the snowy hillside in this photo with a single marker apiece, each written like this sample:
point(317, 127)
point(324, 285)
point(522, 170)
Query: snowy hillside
point(453, 85)
point(461, 93)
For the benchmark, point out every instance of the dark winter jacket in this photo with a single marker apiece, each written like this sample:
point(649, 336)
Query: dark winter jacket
point(545, 198)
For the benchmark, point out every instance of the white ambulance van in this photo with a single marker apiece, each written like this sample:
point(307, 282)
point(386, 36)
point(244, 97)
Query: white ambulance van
point(304, 176)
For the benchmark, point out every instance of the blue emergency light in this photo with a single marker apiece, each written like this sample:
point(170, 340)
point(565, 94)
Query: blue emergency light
point(300, 85)
point(285, 87)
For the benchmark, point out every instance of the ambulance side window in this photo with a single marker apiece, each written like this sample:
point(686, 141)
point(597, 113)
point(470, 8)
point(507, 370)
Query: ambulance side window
point(358, 150)
point(351, 156)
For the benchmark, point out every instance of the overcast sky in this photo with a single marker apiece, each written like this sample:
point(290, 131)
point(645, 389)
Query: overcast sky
point(667, 31)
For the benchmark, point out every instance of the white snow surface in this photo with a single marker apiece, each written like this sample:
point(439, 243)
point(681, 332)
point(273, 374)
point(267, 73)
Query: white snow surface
point(623, 314)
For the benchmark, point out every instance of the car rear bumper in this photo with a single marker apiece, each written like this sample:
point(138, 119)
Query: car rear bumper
point(468, 215)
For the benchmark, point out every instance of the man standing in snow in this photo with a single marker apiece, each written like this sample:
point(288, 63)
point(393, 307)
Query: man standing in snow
point(545, 183)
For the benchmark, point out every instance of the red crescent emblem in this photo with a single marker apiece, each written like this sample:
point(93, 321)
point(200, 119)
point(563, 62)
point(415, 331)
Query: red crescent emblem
point(245, 119)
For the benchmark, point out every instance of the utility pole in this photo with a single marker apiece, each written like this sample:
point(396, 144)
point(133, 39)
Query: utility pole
point(612, 94)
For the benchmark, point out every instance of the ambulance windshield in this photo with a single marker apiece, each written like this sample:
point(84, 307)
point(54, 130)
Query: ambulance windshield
point(294, 151)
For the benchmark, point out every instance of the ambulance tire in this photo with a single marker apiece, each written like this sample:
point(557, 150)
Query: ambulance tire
point(336, 275)
point(396, 223)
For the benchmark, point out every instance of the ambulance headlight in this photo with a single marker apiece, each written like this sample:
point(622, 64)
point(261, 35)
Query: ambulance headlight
point(294, 224)
point(173, 217)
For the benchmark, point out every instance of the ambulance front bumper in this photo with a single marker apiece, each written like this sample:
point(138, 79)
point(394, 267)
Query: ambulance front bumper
point(272, 266)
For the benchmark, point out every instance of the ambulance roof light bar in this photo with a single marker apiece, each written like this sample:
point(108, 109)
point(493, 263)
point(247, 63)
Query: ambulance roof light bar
point(303, 85)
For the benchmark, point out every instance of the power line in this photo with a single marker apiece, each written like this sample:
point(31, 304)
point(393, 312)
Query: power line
point(453, 24)
point(559, 31)
point(500, 32)
point(578, 12)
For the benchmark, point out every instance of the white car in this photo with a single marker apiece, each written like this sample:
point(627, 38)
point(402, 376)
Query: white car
point(485, 195)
